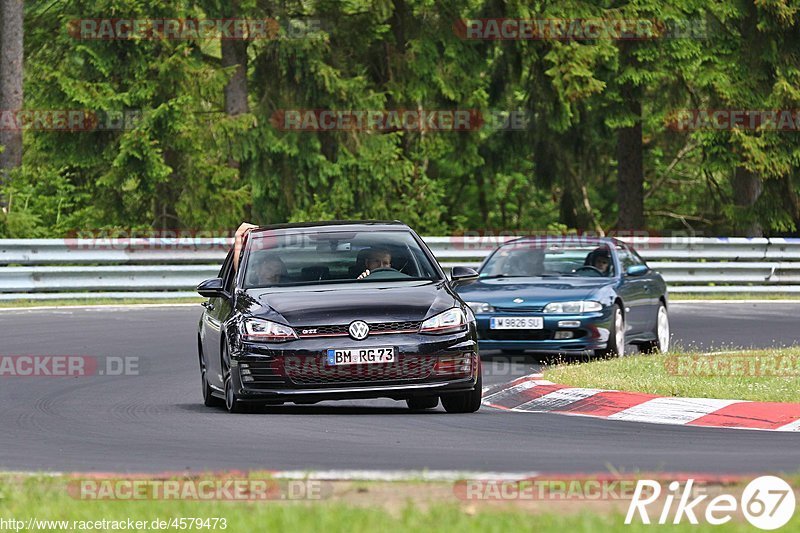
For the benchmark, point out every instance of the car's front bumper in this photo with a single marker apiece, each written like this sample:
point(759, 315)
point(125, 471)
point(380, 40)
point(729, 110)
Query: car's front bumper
point(590, 333)
point(297, 371)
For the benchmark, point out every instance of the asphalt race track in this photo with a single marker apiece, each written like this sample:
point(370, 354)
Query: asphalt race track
point(155, 421)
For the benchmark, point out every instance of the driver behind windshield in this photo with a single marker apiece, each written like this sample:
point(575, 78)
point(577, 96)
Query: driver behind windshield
point(376, 258)
point(601, 260)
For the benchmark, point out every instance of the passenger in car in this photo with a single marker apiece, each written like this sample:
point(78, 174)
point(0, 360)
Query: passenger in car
point(376, 258)
point(525, 263)
point(270, 271)
point(238, 242)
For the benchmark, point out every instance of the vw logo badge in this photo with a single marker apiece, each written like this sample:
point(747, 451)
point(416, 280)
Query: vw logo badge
point(358, 330)
point(518, 300)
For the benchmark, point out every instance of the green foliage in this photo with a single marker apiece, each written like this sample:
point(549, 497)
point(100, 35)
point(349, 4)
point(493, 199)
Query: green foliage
point(184, 163)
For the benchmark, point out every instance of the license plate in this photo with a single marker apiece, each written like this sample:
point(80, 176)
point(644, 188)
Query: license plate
point(516, 322)
point(361, 356)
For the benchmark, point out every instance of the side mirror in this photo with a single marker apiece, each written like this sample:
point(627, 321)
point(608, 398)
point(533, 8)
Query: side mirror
point(637, 270)
point(462, 274)
point(212, 288)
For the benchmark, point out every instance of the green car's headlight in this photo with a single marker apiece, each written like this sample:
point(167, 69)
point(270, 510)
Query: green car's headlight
point(565, 308)
point(480, 307)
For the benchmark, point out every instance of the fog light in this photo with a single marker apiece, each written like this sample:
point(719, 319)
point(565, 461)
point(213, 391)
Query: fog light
point(561, 335)
point(450, 365)
point(569, 323)
point(247, 379)
point(245, 371)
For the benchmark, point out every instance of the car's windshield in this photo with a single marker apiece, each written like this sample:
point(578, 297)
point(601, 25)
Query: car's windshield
point(315, 257)
point(535, 259)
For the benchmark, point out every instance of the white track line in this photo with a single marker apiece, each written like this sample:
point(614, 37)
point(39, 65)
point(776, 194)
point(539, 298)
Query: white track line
point(791, 426)
point(511, 391)
point(672, 410)
point(99, 306)
point(557, 399)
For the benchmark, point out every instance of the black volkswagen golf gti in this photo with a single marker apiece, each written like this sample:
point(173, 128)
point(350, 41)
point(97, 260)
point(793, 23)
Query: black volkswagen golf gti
point(338, 310)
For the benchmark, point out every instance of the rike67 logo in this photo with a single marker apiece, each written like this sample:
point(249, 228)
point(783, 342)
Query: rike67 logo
point(767, 502)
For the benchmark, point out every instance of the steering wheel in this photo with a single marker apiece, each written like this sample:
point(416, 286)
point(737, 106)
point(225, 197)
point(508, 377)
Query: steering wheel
point(383, 269)
point(590, 268)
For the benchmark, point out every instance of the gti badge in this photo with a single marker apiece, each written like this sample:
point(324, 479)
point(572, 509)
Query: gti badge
point(518, 300)
point(358, 330)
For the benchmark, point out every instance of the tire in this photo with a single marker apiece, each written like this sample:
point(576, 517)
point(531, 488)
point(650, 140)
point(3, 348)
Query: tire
point(209, 400)
point(232, 402)
point(616, 335)
point(423, 402)
point(661, 332)
point(465, 402)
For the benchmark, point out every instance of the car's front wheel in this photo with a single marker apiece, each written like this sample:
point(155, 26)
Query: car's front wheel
point(209, 400)
point(616, 335)
point(232, 401)
point(661, 332)
point(465, 402)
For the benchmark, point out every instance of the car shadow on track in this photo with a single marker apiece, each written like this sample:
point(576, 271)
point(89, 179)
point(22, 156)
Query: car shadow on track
point(314, 410)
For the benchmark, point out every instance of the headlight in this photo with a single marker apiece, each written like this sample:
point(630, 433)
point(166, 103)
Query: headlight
point(450, 321)
point(480, 307)
point(583, 306)
point(256, 329)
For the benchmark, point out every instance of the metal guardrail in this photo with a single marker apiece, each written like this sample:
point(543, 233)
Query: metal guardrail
point(171, 268)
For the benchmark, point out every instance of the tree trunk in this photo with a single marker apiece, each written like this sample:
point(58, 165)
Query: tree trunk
point(630, 164)
point(11, 37)
point(234, 53)
point(746, 191)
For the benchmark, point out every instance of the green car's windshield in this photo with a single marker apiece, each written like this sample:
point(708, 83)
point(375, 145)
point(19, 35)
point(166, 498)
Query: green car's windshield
point(326, 257)
point(532, 259)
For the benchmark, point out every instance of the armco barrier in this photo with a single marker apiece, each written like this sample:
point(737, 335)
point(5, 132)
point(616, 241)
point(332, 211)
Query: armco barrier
point(171, 268)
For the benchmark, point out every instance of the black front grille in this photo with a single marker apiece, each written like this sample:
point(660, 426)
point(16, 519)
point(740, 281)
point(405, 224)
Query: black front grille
point(314, 370)
point(376, 328)
point(521, 309)
point(310, 331)
point(388, 327)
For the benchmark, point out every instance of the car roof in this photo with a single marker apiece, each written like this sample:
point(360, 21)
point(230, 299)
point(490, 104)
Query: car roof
point(333, 225)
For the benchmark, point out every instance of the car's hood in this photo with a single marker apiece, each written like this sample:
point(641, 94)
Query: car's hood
point(342, 303)
point(533, 291)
